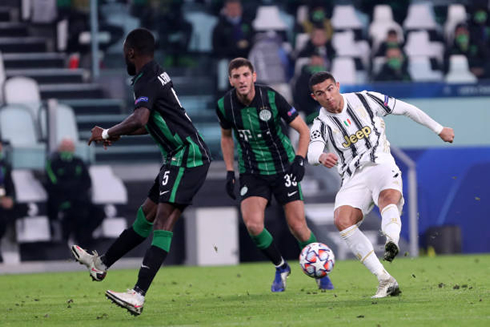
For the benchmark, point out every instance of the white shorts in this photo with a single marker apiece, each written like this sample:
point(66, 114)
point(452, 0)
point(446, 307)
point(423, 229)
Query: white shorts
point(362, 189)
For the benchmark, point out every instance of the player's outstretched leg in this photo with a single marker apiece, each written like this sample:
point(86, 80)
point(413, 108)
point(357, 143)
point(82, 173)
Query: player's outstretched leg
point(131, 300)
point(391, 250)
point(324, 283)
point(387, 287)
point(282, 273)
point(96, 268)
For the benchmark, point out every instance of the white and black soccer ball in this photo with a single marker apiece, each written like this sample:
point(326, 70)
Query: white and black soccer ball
point(317, 260)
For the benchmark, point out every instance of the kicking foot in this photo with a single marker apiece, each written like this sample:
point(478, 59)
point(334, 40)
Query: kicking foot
point(97, 272)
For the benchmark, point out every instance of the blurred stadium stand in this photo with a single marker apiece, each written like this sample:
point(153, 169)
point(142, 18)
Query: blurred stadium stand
point(30, 54)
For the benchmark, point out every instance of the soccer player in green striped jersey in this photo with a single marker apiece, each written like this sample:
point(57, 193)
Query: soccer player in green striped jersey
point(157, 112)
point(267, 162)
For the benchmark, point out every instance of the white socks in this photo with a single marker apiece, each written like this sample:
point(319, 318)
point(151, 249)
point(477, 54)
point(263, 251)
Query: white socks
point(391, 224)
point(363, 250)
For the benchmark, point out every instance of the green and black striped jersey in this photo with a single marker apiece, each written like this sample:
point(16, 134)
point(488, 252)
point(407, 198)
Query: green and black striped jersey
point(263, 148)
point(169, 125)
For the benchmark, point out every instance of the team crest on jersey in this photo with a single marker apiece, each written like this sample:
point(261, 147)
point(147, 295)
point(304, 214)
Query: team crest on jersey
point(265, 114)
point(244, 190)
point(315, 135)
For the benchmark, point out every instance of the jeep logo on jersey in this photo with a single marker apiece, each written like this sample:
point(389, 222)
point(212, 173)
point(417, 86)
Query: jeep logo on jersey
point(360, 134)
point(265, 114)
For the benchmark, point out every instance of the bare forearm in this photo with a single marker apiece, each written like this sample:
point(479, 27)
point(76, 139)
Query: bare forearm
point(304, 140)
point(140, 131)
point(228, 148)
point(304, 135)
point(127, 127)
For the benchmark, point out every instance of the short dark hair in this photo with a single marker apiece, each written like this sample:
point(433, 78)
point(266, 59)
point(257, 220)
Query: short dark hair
point(320, 77)
point(142, 41)
point(392, 31)
point(239, 62)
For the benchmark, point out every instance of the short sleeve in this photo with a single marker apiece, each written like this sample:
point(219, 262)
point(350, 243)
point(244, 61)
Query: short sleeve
point(286, 111)
point(220, 112)
point(145, 94)
point(385, 103)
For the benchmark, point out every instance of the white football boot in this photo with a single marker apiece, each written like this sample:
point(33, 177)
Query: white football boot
point(130, 300)
point(91, 261)
point(387, 287)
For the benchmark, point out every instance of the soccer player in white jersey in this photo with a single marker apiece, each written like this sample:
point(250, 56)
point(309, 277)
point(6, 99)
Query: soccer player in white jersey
point(351, 128)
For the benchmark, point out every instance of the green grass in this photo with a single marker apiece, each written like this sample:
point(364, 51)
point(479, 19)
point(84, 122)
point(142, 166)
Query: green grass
point(442, 291)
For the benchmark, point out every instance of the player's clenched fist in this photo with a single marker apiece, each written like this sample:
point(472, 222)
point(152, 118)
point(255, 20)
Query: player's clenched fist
point(447, 134)
point(328, 159)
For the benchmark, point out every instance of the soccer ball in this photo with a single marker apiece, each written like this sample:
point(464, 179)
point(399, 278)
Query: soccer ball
point(316, 260)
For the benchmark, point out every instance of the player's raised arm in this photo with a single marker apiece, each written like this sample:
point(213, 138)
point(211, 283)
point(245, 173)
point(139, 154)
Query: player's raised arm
point(417, 115)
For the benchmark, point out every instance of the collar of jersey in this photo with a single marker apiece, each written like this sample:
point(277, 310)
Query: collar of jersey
point(146, 67)
point(241, 105)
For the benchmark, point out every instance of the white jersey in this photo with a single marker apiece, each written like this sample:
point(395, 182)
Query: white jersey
point(357, 134)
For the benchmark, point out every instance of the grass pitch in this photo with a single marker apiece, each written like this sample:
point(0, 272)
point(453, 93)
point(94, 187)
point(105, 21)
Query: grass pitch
point(440, 291)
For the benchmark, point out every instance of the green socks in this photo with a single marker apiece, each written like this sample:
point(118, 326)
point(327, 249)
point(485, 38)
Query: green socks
point(142, 226)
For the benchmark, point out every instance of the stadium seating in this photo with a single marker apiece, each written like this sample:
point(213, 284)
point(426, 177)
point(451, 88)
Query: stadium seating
point(456, 14)
point(25, 91)
point(34, 226)
point(66, 127)
point(268, 18)
point(2, 78)
point(301, 14)
point(381, 24)
point(420, 70)
point(419, 44)
point(301, 40)
point(344, 17)
point(108, 191)
point(202, 30)
point(346, 46)
point(18, 128)
point(378, 63)
point(459, 71)
point(420, 16)
point(344, 70)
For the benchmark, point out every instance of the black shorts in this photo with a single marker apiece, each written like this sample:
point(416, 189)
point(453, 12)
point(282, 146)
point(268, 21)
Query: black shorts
point(284, 189)
point(177, 185)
